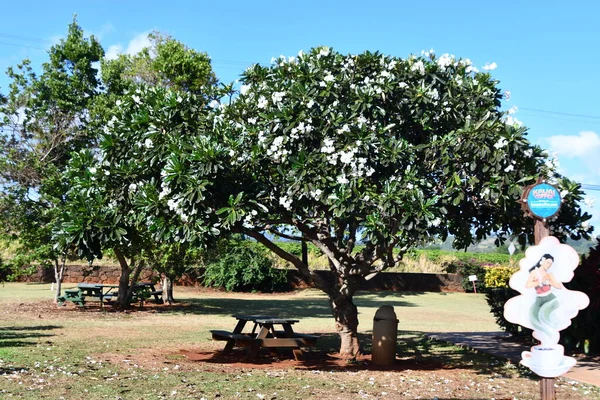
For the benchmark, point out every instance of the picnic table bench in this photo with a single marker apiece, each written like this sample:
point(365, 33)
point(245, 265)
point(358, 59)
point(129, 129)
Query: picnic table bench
point(264, 335)
point(103, 293)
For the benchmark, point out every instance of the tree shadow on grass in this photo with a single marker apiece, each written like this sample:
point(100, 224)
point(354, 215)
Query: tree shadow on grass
point(16, 336)
point(414, 351)
point(291, 308)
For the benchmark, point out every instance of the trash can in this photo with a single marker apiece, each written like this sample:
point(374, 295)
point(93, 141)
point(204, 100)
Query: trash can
point(385, 334)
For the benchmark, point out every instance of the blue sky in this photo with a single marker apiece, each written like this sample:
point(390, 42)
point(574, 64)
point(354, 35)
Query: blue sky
point(546, 51)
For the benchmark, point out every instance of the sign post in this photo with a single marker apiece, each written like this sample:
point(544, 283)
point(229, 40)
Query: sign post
point(540, 285)
point(473, 278)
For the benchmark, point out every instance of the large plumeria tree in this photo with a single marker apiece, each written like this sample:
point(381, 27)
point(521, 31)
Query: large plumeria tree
point(337, 150)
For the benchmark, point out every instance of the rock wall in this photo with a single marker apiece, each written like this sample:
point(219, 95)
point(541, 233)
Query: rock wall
point(77, 273)
point(393, 281)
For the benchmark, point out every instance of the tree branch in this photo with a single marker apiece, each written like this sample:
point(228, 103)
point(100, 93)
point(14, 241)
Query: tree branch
point(300, 266)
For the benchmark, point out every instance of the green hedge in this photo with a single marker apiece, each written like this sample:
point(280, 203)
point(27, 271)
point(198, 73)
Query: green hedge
point(243, 266)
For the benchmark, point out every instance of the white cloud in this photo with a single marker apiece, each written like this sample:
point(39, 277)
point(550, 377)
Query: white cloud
point(586, 143)
point(113, 51)
point(579, 153)
point(135, 45)
point(104, 30)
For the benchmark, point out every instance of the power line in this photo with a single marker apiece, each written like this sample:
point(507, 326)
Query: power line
point(21, 45)
point(25, 38)
point(587, 186)
point(559, 113)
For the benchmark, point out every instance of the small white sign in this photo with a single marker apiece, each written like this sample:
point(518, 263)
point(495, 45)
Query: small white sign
point(472, 278)
point(511, 248)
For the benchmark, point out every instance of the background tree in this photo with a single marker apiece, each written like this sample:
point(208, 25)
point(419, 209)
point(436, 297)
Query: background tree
point(167, 63)
point(172, 261)
point(44, 119)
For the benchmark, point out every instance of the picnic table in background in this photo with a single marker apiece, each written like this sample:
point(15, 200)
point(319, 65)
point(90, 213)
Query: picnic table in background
point(265, 335)
point(103, 293)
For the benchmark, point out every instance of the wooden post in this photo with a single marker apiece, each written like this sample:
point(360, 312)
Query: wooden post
point(304, 253)
point(540, 231)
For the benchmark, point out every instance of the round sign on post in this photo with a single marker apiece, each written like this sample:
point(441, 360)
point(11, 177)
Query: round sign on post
point(542, 200)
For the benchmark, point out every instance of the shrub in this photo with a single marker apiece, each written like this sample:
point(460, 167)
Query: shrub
point(243, 267)
point(498, 277)
point(498, 293)
point(584, 332)
point(466, 269)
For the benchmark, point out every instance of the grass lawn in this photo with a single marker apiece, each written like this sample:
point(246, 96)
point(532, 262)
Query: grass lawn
point(163, 352)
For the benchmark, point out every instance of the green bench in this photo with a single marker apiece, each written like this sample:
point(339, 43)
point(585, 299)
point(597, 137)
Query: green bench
point(72, 295)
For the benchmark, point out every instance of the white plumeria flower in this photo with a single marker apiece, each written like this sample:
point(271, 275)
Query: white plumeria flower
point(310, 104)
point(585, 224)
point(528, 153)
point(513, 110)
point(214, 104)
point(92, 170)
point(262, 102)
point(490, 67)
point(324, 52)
point(507, 95)
point(136, 99)
point(132, 187)
point(346, 157)
point(418, 67)
point(428, 53)
point(509, 168)
point(328, 146)
point(244, 89)
point(501, 143)
point(316, 193)
point(403, 85)
point(286, 202)
point(277, 97)
point(252, 121)
point(341, 179)
point(434, 94)
point(511, 121)
point(445, 61)
point(148, 143)
point(470, 69)
point(329, 77)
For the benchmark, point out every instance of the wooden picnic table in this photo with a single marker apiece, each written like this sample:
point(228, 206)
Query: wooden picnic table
point(265, 335)
point(103, 292)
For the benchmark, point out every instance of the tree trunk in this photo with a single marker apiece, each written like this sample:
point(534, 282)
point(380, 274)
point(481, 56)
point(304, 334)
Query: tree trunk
point(345, 314)
point(167, 288)
point(122, 300)
point(346, 324)
point(59, 271)
point(136, 275)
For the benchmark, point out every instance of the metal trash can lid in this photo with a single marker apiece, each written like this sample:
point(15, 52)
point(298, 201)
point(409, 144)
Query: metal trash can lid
point(385, 313)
